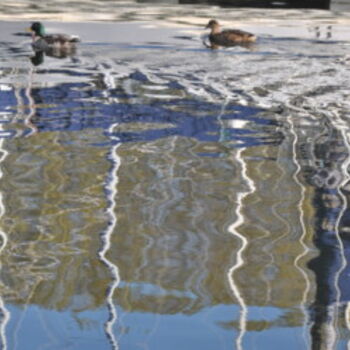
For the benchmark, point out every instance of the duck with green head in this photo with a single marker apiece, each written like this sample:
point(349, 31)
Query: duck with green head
point(46, 42)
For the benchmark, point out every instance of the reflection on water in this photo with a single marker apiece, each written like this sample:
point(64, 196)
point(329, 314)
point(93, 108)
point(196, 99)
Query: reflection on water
point(157, 194)
point(112, 185)
point(5, 315)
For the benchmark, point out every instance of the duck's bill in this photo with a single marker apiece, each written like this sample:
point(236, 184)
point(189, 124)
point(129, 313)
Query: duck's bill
point(29, 30)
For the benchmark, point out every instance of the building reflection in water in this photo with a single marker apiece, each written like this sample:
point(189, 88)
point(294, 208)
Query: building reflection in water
point(327, 174)
point(328, 157)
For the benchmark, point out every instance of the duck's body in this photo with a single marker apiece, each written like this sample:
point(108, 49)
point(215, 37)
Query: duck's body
point(44, 42)
point(47, 42)
point(229, 37)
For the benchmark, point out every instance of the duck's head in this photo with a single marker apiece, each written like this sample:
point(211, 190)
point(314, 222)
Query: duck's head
point(213, 24)
point(37, 28)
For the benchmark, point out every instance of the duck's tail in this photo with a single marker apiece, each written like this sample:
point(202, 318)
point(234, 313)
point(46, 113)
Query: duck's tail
point(74, 39)
point(251, 38)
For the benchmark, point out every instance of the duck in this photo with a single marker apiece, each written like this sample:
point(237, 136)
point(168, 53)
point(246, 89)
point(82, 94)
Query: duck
point(53, 42)
point(229, 37)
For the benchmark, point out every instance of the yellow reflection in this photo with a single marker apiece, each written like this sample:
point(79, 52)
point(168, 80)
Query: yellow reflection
point(5, 314)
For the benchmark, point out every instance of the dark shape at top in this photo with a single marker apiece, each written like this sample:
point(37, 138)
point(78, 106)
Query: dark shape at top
point(316, 4)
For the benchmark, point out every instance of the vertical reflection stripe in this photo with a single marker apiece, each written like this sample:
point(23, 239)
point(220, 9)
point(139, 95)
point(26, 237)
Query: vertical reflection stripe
point(305, 248)
point(112, 191)
point(233, 229)
point(106, 245)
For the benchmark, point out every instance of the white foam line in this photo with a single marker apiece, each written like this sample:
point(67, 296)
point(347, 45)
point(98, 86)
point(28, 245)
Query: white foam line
point(305, 248)
point(5, 314)
point(239, 256)
point(106, 242)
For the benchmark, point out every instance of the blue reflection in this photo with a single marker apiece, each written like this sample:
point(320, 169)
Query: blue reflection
point(78, 106)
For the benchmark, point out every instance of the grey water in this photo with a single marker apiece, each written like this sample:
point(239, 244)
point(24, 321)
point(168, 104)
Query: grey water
point(157, 194)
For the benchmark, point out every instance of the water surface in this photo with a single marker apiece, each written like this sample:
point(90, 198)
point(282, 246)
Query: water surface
point(156, 194)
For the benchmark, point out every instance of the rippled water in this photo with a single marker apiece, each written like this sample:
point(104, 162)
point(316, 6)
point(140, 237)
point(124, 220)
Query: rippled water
point(156, 194)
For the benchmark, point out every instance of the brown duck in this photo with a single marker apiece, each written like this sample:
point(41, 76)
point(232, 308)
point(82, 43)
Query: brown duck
point(229, 37)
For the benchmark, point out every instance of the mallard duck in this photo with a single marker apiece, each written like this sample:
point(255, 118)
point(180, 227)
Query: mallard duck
point(230, 37)
point(44, 42)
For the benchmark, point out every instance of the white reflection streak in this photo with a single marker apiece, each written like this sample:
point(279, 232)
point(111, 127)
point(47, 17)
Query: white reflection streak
point(106, 243)
point(30, 104)
point(305, 248)
point(112, 191)
point(5, 314)
point(239, 256)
